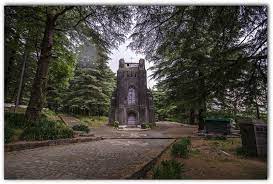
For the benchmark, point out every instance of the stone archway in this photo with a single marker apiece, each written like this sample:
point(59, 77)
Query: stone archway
point(132, 118)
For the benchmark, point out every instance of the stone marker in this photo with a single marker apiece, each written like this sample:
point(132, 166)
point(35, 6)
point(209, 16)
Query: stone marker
point(254, 137)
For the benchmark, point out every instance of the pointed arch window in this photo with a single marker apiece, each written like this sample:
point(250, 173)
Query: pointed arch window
point(131, 96)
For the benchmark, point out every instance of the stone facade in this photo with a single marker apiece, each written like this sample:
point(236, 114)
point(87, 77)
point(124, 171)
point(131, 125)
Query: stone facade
point(132, 102)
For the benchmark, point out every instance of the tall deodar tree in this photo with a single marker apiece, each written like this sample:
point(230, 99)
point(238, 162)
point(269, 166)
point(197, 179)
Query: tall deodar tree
point(203, 54)
point(105, 26)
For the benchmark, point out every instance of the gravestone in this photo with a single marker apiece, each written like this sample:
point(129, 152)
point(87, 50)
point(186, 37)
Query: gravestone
point(254, 137)
point(132, 102)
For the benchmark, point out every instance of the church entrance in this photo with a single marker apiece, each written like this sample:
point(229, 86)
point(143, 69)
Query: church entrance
point(131, 118)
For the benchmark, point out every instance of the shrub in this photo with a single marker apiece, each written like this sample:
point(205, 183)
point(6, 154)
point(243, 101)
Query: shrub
point(15, 120)
point(47, 130)
point(241, 151)
point(18, 128)
point(145, 126)
point(116, 124)
point(168, 169)
point(181, 148)
point(8, 134)
point(13, 123)
point(81, 128)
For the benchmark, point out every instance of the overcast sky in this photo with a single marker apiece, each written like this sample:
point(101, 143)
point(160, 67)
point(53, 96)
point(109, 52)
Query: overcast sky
point(129, 56)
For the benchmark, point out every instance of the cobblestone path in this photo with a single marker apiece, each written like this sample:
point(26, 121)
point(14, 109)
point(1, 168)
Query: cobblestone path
point(105, 159)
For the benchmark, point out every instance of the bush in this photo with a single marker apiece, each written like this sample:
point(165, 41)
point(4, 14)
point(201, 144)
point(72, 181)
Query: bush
point(145, 126)
point(168, 169)
point(18, 128)
point(8, 134)
point(241, 151)
point(181, 148)
point(47, 130)
point(81, 128)
point(15, 120)
point(116, 124)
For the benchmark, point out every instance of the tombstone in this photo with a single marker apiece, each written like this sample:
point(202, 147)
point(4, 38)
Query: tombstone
point(254, 137)
point(131, 102)
point(217, 126)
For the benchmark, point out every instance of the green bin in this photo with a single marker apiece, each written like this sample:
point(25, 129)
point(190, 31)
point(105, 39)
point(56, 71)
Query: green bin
point(217, 126)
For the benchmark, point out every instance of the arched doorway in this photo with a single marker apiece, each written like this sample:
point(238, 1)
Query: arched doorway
point(131, 118)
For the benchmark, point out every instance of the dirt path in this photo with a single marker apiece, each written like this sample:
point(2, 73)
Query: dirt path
point(163, 129)
point(206, 161)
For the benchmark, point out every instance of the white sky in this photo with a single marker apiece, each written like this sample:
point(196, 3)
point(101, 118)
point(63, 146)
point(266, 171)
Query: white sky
point(129, 56)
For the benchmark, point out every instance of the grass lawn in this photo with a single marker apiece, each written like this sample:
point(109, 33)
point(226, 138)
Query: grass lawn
point(93, 121)
point(207, 161)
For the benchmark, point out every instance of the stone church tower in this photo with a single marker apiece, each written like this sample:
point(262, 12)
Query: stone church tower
point(132, 102)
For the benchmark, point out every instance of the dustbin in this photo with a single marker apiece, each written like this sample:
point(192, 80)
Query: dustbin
point(217, 126)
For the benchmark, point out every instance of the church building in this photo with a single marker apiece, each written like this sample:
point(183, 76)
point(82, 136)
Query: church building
point(132, 102)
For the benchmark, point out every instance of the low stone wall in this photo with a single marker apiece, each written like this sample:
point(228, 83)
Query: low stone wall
point(35, 144)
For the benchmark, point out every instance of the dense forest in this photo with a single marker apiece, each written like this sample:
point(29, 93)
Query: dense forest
point(207, 61)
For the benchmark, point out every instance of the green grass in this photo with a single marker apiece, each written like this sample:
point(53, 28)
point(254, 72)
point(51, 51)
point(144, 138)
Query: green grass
point(168, 169)
point(181, 148)
point(93, 121)
point(83, 128)
point(17, 110)
point(49, 114)
point(17, 128)
point(230, 144)
point(195, 152)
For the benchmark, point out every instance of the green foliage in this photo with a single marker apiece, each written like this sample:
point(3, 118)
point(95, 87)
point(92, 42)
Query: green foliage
point(241, 151)
point(91, 88)
point(115, 124)
point(9, 132)
point(105, 28)
point(93, 121)
point(217, 59)
point(181, 148)
point(168, 169)
point(145, 126)
point(81, 128)
point(47, 130)
point(15, 120)
point(17, 128)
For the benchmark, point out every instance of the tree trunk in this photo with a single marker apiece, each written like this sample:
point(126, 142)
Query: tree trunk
point(257, 109)
point(21, 78)
point(202, 102)
point(192, 117)
point(200, 119)
point(38, 92)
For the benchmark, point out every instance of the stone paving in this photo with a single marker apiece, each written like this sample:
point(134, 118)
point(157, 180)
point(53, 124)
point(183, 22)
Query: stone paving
point(105, 159)
point(119, 155)
point(163, 129)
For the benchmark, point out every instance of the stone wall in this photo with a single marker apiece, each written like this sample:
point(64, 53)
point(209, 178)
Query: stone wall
point(139, 108)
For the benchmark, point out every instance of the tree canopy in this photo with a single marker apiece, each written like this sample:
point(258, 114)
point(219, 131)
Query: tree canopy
point(205, 58)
